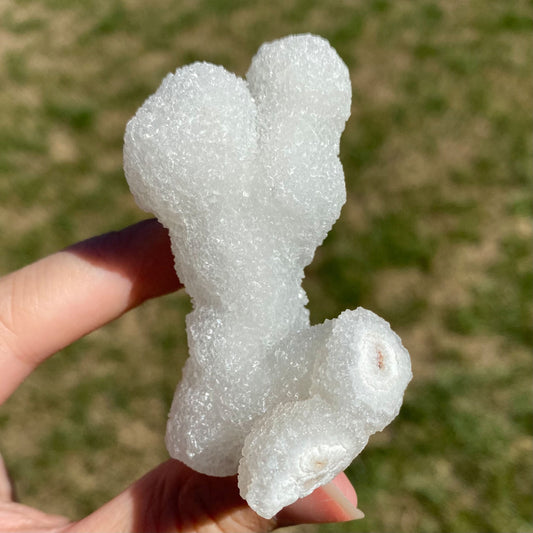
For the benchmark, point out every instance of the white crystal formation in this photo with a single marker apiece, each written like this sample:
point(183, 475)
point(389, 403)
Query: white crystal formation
point(246, 177)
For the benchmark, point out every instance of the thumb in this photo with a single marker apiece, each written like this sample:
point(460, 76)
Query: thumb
point(333, 502)
point(173, 498)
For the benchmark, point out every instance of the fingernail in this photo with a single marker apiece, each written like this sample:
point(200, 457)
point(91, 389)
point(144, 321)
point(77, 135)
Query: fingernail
point(346, 499)
point(334, 502)
point(357, 514)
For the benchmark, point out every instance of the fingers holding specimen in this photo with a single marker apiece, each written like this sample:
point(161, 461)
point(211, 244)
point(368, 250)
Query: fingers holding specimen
point(49, 304)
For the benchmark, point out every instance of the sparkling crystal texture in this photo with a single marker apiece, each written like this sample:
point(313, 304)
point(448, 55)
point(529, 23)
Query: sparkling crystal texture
point(245, 175)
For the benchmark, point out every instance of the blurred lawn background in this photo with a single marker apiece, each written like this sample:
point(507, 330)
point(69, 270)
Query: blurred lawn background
point(435, 237)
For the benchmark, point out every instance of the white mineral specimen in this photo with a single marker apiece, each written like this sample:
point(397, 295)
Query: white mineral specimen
point(246, 177)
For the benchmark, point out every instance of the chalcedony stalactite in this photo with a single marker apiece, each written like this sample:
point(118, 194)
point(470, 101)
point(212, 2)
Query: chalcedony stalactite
point(245, 175)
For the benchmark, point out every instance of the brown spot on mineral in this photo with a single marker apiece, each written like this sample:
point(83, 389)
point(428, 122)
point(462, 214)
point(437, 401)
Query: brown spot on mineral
point(380, 360)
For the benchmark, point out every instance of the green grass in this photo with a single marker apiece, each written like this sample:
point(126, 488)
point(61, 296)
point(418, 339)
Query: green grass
point(435, 236)
point(497, 306)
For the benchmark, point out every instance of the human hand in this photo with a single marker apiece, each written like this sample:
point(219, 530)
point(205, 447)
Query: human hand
point(51, 303)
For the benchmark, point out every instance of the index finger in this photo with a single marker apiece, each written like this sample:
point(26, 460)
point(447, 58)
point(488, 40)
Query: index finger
point(49, 304)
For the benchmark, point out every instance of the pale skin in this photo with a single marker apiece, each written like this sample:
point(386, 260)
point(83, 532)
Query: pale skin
point(48, 305)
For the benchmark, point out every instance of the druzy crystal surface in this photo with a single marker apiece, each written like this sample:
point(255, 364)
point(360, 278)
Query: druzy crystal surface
point(245, 175)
